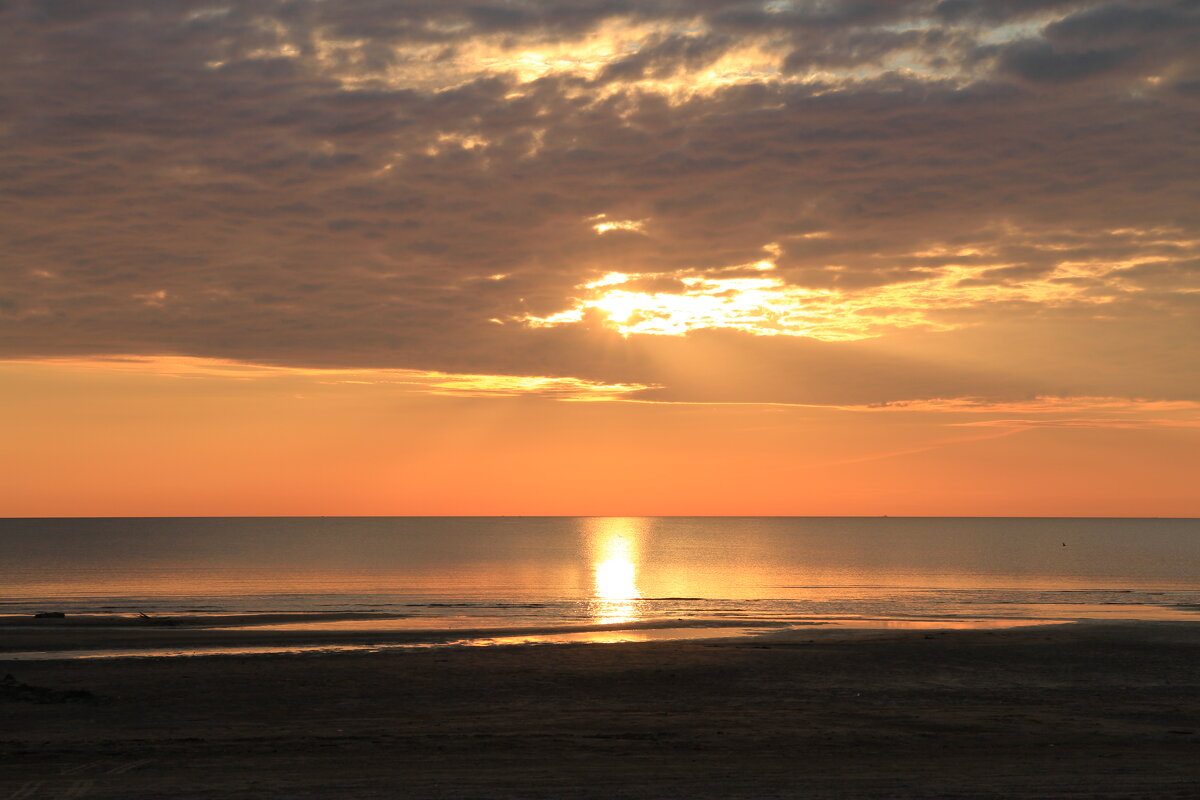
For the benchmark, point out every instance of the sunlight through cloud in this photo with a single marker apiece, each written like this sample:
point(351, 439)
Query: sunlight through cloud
point(762, 304)
point(601, 224)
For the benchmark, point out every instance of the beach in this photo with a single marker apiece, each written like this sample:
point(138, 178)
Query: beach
point(1093, 709)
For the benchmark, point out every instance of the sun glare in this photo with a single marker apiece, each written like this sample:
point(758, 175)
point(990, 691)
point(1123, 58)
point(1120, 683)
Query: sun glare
point(615, 576)
point(614, 545)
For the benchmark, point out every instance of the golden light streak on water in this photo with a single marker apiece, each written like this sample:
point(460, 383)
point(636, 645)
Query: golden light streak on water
point(614, 546)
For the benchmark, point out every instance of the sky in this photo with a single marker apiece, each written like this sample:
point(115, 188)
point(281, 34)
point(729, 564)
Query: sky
point(599, 257)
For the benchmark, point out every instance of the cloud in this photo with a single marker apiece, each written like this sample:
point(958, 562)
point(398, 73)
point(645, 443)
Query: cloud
point(394, 185)
point(1121, 23)
point(422, 381)
point(997, 11)
point(1040, 61)
point(1038, 405)
point(1088, 422)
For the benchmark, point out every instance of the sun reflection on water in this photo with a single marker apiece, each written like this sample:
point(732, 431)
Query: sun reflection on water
point(613, 546)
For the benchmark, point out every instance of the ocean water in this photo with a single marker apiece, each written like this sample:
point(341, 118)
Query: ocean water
point(447, 573)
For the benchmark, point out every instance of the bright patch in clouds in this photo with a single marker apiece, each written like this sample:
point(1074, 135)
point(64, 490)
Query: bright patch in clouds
point(602, 224)
point(758, 305)
point(765, 305)
point(529, 56)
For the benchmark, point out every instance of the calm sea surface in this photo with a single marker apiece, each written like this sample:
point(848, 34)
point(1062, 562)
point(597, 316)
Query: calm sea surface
point(462, 572)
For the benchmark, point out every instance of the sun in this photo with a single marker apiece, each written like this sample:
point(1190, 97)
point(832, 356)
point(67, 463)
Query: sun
point(616, 573)
point(621, 306)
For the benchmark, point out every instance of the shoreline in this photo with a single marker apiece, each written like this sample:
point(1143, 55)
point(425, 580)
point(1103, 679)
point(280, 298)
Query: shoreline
point(85, 636)
point(1092, 709)
point(96, 635)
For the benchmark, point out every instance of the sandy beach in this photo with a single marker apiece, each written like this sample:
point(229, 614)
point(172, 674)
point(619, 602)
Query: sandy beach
point(1085, 710)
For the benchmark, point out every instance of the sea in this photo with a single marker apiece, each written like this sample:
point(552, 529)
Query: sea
point(443, 574)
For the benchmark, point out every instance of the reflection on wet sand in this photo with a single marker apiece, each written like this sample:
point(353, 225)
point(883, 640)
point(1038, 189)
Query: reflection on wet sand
point(942, 624)
point(614, 545)
point(619, 636)
point(679, 633)
point(773, 631)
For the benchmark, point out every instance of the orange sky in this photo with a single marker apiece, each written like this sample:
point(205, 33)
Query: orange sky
point(779, 257)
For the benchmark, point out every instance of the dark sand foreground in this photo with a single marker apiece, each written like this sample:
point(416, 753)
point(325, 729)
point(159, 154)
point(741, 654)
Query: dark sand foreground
point(1092, 710)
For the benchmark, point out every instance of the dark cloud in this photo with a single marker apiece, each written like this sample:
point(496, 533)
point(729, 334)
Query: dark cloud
point(666, 56)
point(1040, 61)
point(1111, 24)
point(999, 11)
point(1107, 40)
point(376, 183)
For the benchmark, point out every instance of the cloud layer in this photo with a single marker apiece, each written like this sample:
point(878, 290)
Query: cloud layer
point(942, 199)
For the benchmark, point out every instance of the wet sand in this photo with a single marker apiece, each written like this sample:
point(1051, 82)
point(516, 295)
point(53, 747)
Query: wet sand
point(1090, 710)
point(101, 633)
